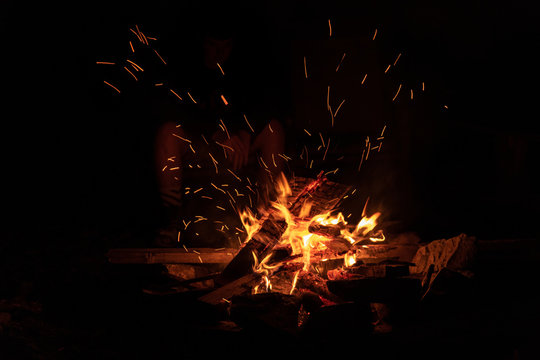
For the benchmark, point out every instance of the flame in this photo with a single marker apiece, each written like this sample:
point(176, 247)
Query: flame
point(367, 224)
point(297, 233)
point(349, 259)
point(250, 223)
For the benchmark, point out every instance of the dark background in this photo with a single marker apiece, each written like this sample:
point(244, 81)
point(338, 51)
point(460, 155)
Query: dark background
point(71, 145)
point(75, 181)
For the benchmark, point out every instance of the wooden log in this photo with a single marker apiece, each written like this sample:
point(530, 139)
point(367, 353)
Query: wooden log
point(262, 242)
point(171, 256)
point(236, 287)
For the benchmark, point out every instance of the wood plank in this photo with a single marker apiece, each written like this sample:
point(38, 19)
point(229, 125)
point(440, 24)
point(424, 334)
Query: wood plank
point(236, 287)
point(171, 256)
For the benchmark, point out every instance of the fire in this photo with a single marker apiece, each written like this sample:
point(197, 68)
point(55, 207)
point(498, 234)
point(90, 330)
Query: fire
point(298, 235)
point(349, 259)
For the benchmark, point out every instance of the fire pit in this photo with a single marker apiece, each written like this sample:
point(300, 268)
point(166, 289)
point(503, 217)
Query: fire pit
point(302, 263)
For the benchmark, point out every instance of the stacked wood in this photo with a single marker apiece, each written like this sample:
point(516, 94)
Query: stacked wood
point(263, 242)
point(171, 256)
point(445, 262)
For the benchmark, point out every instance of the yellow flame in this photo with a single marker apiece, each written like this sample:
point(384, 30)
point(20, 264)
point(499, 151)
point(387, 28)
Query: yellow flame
point(295, 279)
point(297, 233)
point(367, 224)
point(250, 223)
point(349, 259)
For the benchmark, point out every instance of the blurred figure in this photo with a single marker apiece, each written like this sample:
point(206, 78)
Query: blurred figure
point(220, 123)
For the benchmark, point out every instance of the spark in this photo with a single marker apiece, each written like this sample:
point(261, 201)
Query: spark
point(192, 149)
point(178, 237)
point(260, 157)
point(225, 146)
point(339, 107)
point(311, 164)
point(395, 62)
point(423, 88)
point(164, 168)
point(307, 132)
point(361, 160)
point(270, 127)
point(137, 66)
point(131, 73)
point(328, 98)
point(105, 63)
point(181, 138)
point(186, 224)
point(225, 128)
point(185, 248)
point(387, 68)
point(330, 27)
point(364, 79)
point(178, 96)
point(214, 161)
point(206, 197)
point(237, 193)
point(159, 56)
point(174, 168)
point(411, 94)
point(365, 207)
point(382, 132)
point(395, 96)
point(137, 35)
point(274, 160)
point(191, 97)
point(236, 176)
point(248, 123)
point(131, 46)
point(322, 140)
point(446, 106)
point(220, 208)
point(285, 157)
point(223, 191)
point(158, 84)
point(375, 34)
point(114, 87)
point(196, 191)
point(305, 67)
point(206, 141)
point(343, 57)
point(324, 157)
point(221, 69)
point(224, 100)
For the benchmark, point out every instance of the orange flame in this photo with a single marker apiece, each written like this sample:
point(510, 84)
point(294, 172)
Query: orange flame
point(297, 233)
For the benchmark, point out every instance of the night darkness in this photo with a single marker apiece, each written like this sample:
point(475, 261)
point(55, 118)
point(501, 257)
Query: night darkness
point(75, 154)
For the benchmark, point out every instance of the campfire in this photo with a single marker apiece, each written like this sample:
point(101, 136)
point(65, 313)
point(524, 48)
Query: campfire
point(303, 256)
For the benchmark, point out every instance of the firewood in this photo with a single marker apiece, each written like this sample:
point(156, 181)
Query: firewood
point(170, 256)
point(236, 287)
point(266, 238)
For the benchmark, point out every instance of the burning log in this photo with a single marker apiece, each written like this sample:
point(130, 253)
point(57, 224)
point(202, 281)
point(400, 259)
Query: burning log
point(170, 256)
point(266, 238)
point(236, 287)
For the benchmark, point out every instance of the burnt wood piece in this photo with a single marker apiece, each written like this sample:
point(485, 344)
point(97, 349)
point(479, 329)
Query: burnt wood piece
point(266, 238)
point(380, 271)
point(266, 311)
point(171, 256)
point(236, 287)
point(402, 289)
